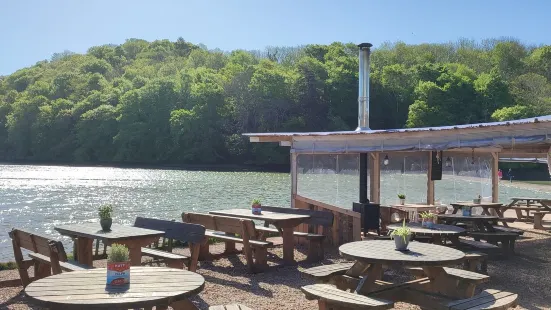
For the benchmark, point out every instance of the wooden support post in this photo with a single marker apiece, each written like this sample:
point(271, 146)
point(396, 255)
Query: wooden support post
point(430, 183)
point(375, 178)
point(293, 178)
point(495, 177)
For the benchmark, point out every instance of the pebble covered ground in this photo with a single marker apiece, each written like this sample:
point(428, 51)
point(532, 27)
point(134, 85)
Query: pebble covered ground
point(528, 273)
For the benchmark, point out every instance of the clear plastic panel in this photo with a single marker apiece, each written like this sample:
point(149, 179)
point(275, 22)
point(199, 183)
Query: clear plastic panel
point(329, 178)
point(405, 173)
point(464, 177)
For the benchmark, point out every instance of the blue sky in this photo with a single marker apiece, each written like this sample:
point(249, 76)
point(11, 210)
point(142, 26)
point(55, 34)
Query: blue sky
point(32, 30)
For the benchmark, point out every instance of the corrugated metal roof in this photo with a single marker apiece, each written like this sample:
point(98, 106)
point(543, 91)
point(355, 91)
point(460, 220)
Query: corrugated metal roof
point(533, 120)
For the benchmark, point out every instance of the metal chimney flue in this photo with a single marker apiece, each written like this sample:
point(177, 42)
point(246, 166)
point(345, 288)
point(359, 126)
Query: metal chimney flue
point(363, 91)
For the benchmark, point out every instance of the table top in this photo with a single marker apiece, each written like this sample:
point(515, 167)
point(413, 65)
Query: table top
point(527, 198)
point(265, 216)
point(384, 252)
point(149, 286)
point(468, 217)
point(118, 232)
point(482, 204)
point(439, 229)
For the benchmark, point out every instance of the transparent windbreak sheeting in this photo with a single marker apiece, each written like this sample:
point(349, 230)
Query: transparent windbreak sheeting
point(405, 173)
point(464, 177)
point(329, 178)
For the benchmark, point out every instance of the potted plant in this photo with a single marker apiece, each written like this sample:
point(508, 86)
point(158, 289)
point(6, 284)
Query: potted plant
point(118, 265)
point(105, 218)
point(477, 200)
point(401, 237)
point(428, 219)
point(256, 206)
point(402, 198)
point(466, 210)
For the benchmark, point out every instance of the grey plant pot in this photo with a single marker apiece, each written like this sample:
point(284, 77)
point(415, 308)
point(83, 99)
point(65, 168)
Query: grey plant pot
point(401, 244)
point(106, 224)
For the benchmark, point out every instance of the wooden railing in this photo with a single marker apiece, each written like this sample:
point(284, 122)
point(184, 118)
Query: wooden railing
point(346, 224)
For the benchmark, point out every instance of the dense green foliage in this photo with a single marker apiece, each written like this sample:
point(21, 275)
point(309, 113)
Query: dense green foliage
point(168, 102)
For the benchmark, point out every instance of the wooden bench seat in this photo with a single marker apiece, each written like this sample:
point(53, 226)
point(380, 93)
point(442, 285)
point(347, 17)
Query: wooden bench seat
point(506, 239)
point(325, 272)
point(191, 234)
point(482, 246)
point(509, 229)
point(330, 297)
point(230, 307)
point(233, 230)
point(487, 299)
point(65, 266)
point(47, 256)
point(317, 225)
point(460, 274)
point(507, 219)
point(538, 219)
point(476, 261)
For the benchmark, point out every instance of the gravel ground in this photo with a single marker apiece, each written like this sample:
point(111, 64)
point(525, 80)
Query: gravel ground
point(228, 280)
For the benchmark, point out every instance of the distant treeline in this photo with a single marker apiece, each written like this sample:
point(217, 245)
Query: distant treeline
point(168, 102)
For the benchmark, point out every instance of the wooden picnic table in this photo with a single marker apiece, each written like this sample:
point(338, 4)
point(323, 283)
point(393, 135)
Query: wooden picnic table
point(149, 287)
point(132, 237)
point(284, 222)
point(371, 256)
point(530, 204)
point(481, 223)
point(438, 232)
point(486, 208)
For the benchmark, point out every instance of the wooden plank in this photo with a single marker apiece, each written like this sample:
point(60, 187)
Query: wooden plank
point(323, 218)
point(206, 220)
point(430, 183)
point(356, 229)
point(334, 296)
point(118, 232)
point(487, 299)
point(294, 179)
point(495, 177)
point(328, 206)
point(375, 178)
point(184, 232)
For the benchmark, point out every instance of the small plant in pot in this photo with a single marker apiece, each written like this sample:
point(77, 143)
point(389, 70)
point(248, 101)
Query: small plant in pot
point(428, 219)
point(256, 207)
point(478, 199)
point(105, 218)
point(401, 237)
point(118, 265)
point(402, 198)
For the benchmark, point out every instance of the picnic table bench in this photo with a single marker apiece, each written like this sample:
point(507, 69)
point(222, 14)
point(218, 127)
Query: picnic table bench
point(47, 256)
point(449, 286)
point(233, 230)
point(538, 219)
point(284, 223)
point(191, 234)
point(528, 204)
point(317, 221)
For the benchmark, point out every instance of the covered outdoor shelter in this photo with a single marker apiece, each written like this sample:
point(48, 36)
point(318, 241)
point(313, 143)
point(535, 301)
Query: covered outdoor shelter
point(449, 147)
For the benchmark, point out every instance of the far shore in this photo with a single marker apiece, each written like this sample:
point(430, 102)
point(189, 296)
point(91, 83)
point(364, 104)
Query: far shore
point(193, 167)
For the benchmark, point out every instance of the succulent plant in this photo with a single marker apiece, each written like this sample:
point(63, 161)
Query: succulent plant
point(105, 212)
point(118, 253)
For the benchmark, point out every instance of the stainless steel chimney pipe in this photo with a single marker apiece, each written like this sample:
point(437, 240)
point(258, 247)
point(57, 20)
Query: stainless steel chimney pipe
point(363, 91)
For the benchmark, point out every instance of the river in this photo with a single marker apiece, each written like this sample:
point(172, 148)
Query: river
point(37, 198)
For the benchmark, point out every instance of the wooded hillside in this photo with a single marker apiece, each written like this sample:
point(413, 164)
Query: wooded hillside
point(168, 102)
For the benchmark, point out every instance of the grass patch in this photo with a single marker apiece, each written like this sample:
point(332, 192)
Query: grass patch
point(8, 266)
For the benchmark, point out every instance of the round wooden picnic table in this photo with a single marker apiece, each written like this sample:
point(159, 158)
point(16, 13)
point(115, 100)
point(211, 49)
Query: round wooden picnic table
point(384, 252)
point(371, 256)
point(149, 286)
